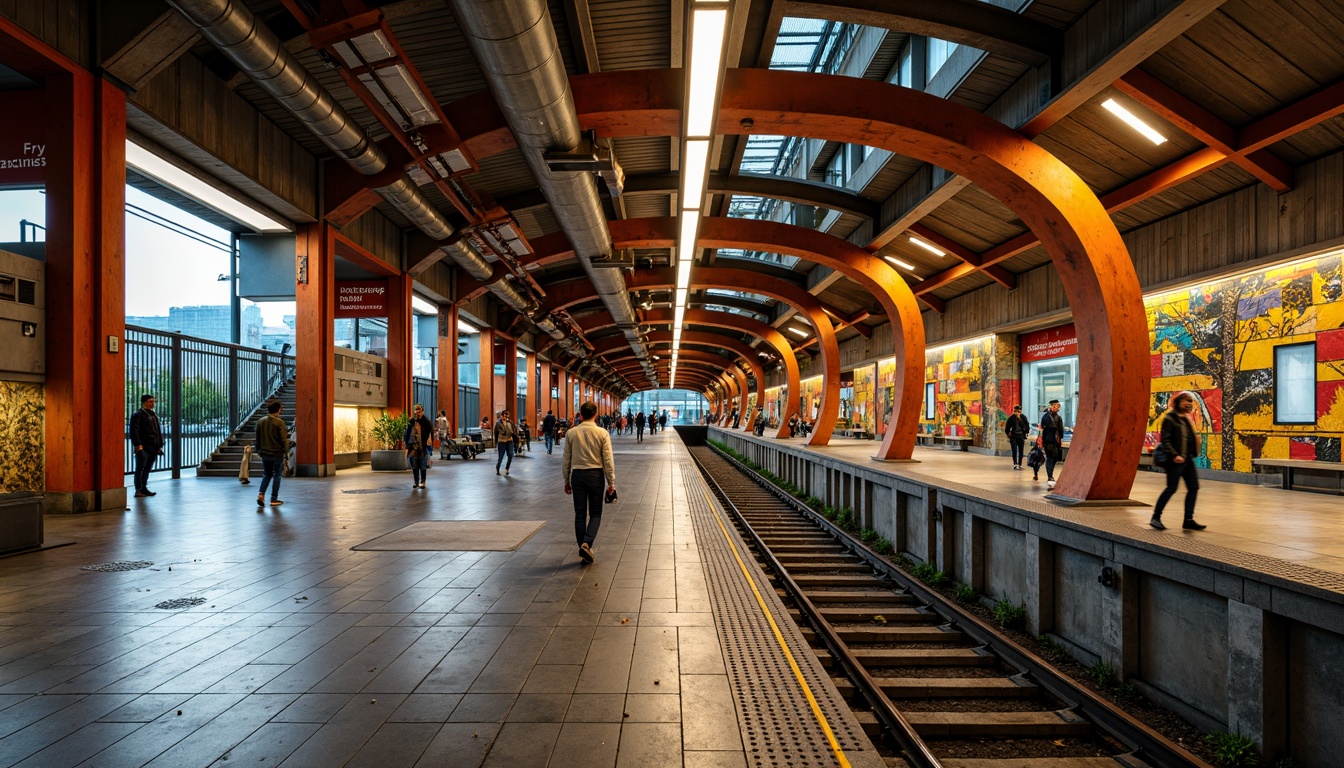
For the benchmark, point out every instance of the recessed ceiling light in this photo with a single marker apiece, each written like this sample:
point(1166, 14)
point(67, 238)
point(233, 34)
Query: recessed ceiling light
point(707, 28)
point(902, 264)
point(1132, 120)
point(797, 331)
point(200, 190)
point(935, 250)
point(423, 306)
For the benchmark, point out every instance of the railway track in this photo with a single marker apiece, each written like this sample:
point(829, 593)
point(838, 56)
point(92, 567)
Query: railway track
point(929, 681)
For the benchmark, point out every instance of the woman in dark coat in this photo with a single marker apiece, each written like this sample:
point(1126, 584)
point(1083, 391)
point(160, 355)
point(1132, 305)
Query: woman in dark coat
point(1180, 443)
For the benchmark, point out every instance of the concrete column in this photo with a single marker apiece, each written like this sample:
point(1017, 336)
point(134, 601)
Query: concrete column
point(1040, 586)
point(1257, 676)
point(1120, 620)
point(972, 554)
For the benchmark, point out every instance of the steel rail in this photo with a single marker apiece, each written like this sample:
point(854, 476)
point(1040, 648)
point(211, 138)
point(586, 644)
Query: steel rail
point(1146, 743)
point(914, 748)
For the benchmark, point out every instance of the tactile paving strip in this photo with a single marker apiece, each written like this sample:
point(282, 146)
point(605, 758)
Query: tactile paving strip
point(779, 729)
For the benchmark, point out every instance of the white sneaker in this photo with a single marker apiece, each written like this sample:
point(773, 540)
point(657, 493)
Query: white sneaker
point(1050, 484)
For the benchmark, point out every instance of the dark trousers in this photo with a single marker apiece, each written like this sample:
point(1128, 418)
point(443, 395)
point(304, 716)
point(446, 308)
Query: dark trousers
point(639, 433)
point(550, 441)
point(1175, 472)
point(1019, 445)
point(418, 462)
point(588, 486)
point(1051, 457)
point(272, 468)
point(144, 464)
point(504, 449)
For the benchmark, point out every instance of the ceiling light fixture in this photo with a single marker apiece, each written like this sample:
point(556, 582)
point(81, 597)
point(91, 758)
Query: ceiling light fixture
point(796, 331)
point(1132, 120)
point(463, 327)
point(707, 29)
point(422, 306)
point(166, 173)
point(693, 174)
point(902, 264)
point(935, 250)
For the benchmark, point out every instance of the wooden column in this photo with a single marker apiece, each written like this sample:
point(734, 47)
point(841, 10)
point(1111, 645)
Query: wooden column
point(533, 401)
point(85, 288)
point(487, 396)
point(508, 350)
point(315, 330)
point(400, 355)
point(447, 363)
point(544, 400)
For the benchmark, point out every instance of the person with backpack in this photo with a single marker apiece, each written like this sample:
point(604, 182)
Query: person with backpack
point(419, 441)
point(1176, 452)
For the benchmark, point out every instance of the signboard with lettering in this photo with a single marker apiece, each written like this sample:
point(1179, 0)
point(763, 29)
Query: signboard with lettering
point(361, 298)
point(23, 142)
point(1060, 341)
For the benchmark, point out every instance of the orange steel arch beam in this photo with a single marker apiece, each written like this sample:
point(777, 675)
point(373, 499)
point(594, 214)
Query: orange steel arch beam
point(1050, 198)
point(767, 333)
point(566, 294)
point(872, 273)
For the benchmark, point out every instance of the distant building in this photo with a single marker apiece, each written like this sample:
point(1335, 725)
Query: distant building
point(211, 321)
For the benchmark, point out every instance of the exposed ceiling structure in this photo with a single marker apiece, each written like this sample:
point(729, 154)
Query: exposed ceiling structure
point(1241, 92)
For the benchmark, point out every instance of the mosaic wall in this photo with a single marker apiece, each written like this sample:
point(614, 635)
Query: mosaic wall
point(963, 376)
point(22, 437)
point(810, 398)
point(886, 393)
point(865, 382)
point(1218, 340)
point(773, 397)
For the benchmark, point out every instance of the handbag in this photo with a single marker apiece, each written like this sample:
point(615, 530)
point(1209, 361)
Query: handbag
point(1160, 456)
point(611, 495)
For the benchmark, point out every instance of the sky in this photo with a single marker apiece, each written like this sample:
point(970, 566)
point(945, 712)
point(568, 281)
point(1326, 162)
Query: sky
point(163, 268)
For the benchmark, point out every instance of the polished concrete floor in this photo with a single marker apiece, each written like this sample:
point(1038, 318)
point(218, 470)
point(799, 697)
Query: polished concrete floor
point(1297, 527)
point(306, 653)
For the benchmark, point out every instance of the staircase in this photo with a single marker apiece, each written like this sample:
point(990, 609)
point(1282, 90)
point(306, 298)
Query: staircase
point(228, 457)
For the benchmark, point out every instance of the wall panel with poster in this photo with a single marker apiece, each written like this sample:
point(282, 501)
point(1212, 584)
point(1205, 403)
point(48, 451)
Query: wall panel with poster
point(963, 375)
point(886, 393)
point(865, 398)
point(809, 403)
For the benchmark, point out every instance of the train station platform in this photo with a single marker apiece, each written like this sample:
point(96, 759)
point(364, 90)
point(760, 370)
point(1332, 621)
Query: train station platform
point(670, 650)
point(1258, 521)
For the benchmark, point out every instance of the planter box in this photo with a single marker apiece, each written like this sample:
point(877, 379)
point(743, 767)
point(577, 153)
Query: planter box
point(389, 461)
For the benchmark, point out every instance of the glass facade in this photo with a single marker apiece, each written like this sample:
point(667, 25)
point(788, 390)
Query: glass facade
point(682, 405)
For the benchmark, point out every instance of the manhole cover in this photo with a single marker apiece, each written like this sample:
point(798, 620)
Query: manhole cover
point(386, 489)
point(181, 602)
point(119, 565)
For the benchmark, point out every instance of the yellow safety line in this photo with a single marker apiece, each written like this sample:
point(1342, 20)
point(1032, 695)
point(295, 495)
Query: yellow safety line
point(779, 637)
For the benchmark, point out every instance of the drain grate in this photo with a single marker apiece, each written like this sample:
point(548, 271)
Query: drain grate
point(180, 603)
point(118, 565)
point(384, 489)
point(778, 725)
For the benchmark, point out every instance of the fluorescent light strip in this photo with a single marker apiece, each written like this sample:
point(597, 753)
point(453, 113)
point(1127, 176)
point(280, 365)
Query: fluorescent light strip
point(935, 250)
point(796, 331)
point(707, 28)
point(681, 297)
point(684, 274)
point(423, 306)
point(693, 174)
point(464, 327)
point(198, 189)
point(690, 225)
point(1132, 120)
point(899, 263)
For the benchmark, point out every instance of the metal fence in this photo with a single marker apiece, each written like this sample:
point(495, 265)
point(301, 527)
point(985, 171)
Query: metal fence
point(426, 392)
point(204, 389)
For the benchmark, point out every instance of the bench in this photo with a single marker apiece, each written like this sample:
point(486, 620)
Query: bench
point(962, 443)
point(1306, 475)
point(925, 438)
point(861, 434)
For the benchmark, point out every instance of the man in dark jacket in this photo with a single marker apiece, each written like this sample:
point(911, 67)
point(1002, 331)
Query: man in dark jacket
point(1052, 441)
point(639, 427)
point(662, 421)
point(147, 437)
point(548, 430)
point(273, 447)
point(1180, 443)
point(1017, 428)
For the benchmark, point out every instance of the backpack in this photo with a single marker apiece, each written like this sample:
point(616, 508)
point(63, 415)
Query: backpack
point(1036, 458)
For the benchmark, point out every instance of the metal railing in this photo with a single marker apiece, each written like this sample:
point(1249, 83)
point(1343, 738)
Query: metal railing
point(204, 390)
point(425, 391)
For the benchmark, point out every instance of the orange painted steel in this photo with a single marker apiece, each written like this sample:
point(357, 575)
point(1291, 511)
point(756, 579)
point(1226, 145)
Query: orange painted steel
point(876, 275)
point(400, 357)
point(566, 294)
point(447, 364)
point(486, 395)
point(315, 369)
point(533, 404)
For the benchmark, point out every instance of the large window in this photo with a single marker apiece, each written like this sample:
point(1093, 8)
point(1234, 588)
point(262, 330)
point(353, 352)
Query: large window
point(939, 52)
point(1295, 383)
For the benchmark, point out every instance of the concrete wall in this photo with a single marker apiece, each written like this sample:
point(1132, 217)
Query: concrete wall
point(1247, 647)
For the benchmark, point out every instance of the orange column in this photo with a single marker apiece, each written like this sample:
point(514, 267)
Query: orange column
point(447, 364)
point(85, 269)
point(533, 400)
point(400, 356)
point(487, 398)
point(315, 330)
point(544, 400)
point(508, 351)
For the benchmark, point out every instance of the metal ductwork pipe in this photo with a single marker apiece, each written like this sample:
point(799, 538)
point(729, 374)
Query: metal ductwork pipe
point(252, 47)
point(514, 42)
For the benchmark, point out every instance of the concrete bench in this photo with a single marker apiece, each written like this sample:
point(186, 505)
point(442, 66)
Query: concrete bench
point(927, 439)
point(861, 434)
point(1306, 475)
point(956, 443)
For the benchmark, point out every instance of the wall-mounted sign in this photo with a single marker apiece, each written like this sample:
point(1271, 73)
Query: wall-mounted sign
point(500, 370)
point(23, 142)
point(361, 298)
point(1060, 341)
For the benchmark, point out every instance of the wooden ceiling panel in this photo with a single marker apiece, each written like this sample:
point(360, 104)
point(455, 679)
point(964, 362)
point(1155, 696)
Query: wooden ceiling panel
point(648, 206)
point(848, 297)
point(1287, 44)
point(1317, 141)
point(971, 282)
point(987, 82)
point(895, 172)
point(436, 46)
point(979, 217)
point(503, 174)
point(632, 34)
point(1057, 13)
point(536, 221)
point(651, 154)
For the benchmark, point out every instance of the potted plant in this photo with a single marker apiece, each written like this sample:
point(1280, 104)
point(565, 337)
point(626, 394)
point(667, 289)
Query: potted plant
point(387, 431)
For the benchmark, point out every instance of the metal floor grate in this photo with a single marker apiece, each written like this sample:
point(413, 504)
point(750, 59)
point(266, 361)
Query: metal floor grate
point(779, 729)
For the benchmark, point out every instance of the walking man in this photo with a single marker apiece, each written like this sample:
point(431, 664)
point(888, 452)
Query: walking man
point(1180, 443)
point(147, 437)
point(1052, 441)
point(587, 461)
point(548, 431)
point(1017, 429)
point(639, 427)
point(662, 421)
point(273, 447)
point(504, 432)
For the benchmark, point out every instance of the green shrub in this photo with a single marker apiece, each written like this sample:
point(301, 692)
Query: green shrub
point(904, 562)
point(868, 536)
point(829, 512)
point(964, 593)
point(930, 574)
point(882, 546)
point(1052, 650)
point(815, 503)
point(1232, 750)
point(1102, 674)
point(1010, 616)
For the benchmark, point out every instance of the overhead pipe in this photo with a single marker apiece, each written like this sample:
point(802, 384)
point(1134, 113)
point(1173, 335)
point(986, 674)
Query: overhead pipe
point(252, 47)
point(515, 45)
